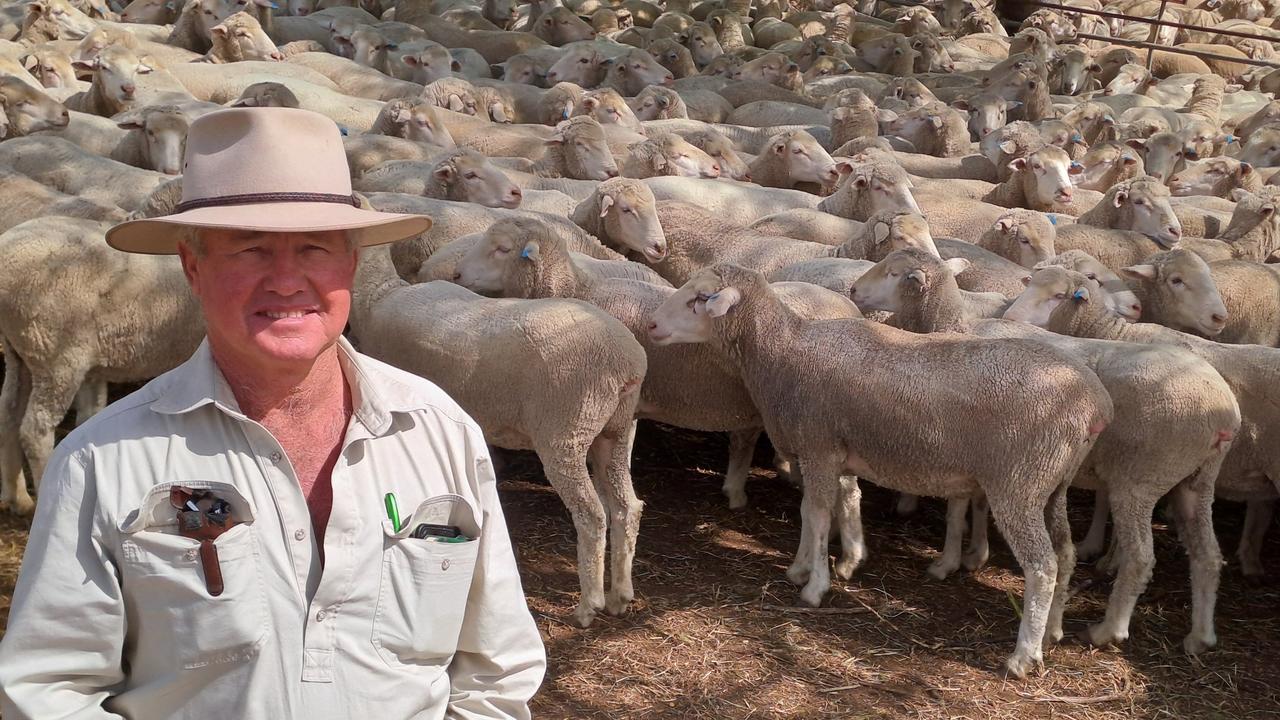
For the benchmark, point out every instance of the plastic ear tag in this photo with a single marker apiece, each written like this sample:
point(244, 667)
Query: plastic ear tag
point(1077, 138)
point(1078, 294)
point(526, 252)
point(342, 130)
point(1053, 220)
point(1231, 139)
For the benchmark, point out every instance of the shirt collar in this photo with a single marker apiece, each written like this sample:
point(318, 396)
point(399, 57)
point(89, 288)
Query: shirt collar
point(199, 382)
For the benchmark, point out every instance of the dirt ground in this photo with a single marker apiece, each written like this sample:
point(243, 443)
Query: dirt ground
point(713, 632)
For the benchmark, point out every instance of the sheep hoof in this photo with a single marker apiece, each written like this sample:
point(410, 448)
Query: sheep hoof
point(941, 568)
point(1196, 645)
point(975, 559)
point(617, 605)
point(798, 574)
point(737, 500)
point(1020, 664)
point(583, 616)
point(1099, 636)
point(21, 506)
point(812, 594)
point(845, 568)
point(1088, 550)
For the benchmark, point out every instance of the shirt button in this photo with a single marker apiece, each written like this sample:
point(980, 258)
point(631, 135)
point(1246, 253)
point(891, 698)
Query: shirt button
point(192, 554)
point(275, 457)
point(322, 615)
point(300, 535)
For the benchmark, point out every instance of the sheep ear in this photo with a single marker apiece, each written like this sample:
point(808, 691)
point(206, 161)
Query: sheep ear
point(917, 276)
point(936, 121)
point(456, 104)
point(1139, 272)
point(1128, 160)
point(532, 251)
point(1004, 224)
point(606, 202)
point(779, 148)
point(881, 231)
point(1120, 197)
point(1267, 210)
point(1136, 143)
point(590, 103)
point(1017, 164)
point(218, 30)
point(957, 265)
point(1245, 169)
point(30, 62)
point(444, 173)
point(413, 61)
point(498, 113)
point(131, 121)
point(1026, 280)
point(1240, 194)
point(844, 167)
point(1008, 147)
point(1075, 168)
point(455, 66)
point(885, 116)
point(401, 114)
point(721, 302)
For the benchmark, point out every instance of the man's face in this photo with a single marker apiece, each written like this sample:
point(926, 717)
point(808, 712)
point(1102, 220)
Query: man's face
point(271, 300)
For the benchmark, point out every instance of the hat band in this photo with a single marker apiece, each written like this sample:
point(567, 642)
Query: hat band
point(255, 198)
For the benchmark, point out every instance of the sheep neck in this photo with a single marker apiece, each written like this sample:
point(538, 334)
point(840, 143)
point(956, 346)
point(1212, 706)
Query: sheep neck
point(1252, 241)
point(376, 278)
point(768, 171)
point(760, 320)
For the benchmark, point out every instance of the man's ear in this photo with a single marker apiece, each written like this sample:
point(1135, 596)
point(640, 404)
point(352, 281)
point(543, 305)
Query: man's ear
point(721, 302)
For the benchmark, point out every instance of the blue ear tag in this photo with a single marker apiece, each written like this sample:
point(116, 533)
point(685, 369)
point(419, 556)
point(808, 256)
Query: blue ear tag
point(1078, 294)
point(526, 252)
point(275, 6)
point(1053, 220)
point(342, 130)
point(1077, 138)
point(1231, 139)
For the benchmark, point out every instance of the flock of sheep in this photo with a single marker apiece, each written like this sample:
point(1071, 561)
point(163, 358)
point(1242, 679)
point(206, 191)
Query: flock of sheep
point(681, 213)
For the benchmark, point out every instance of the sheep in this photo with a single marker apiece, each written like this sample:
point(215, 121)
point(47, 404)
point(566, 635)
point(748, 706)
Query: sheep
point(461, 175)
point(792, 158)
point(1249, 370)
point(452, 93)
point(745, 139)
point(846, 424)
point(1022, 236)
point(53, 69)
point(54, 19)
point(1133, 220)
point(357, 80)
point(414, 120)
point(673, 56)
point(743, 202)
point(577, 148)
point(1175, 418)
point(367, 151)
point(582, 410)
point(115, 85)
point(713, 143)
point(1250, 292)
point(560, 26)
point(1042, 181)
point(1216, 177)
point(767, 113)
point(1254, 230)
point(920, 289)
point(59, 271)
point(1115, 292)
point(151, 12)
point(66, 167)
point(658, 103)
point(668, 154)
point(622, 214)
point(28, 110)
point(632, 71)
point(152, 138)
point(871, 186)
point(266, 94)
point(423, 62)
point(25, 199)
point(1108, 163)
point(238, 38)
point(1262, 148)
point(937, 131)
point(608, 108)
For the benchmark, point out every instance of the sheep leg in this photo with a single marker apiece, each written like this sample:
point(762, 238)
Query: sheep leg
point(51, 396)
point(821, 492)
point(90, 400)
point(613, 457)
point(1194, 502)
point(1257, 516)
point(853, 549)
point(566, 470)
point(1022, 523)
point(1095, 540)
point(1060, 533)
point(908, 504)
point(1135, 556)
point(742, 445)
point(798, 573)
point(949, 562)
point(979, 547)
point(14, 394)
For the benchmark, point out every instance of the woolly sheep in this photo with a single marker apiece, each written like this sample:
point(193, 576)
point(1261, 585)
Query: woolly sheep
point(25, 199)
point(66, 167)
point(566, 417)
point(743, 202)
point(1133, 220)
point(28, 110)
point(152, 138)
point(842, 424)
point(1023, 236)
point(668, 154)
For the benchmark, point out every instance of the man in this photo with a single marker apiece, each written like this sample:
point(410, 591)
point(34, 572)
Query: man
point(279, 528)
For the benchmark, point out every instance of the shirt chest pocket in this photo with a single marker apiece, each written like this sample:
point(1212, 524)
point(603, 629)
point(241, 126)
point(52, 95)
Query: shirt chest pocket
point(164, 578)
point(425, 585)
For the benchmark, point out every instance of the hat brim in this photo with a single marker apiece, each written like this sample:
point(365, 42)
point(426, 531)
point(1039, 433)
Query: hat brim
point(161, 235)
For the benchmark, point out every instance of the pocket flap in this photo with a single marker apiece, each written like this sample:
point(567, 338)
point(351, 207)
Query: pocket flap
point(446, 509)
point(157, 512)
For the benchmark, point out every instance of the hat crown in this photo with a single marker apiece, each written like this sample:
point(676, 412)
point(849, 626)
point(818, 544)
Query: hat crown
point(252, 151)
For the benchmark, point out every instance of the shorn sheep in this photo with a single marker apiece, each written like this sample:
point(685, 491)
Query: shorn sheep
point(855, 421)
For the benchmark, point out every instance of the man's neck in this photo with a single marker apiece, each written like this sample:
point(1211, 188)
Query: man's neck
point(286, 394)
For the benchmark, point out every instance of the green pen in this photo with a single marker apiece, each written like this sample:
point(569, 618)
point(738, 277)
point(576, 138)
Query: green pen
point(393, 511)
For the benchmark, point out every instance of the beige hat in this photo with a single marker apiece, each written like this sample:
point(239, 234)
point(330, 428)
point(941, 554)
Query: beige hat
point(269, 170)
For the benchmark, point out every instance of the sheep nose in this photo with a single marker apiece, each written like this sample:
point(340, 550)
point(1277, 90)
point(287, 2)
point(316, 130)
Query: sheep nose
point(551, 76)
point(1175, 232)
point(457, 276)
point(668, 80)
point(277, 55)
point(303, 11)
point(516, 192)
point(1137, 309)
point(1218, 318)
point(128, 89)
point(613, 173)
point(651, 326)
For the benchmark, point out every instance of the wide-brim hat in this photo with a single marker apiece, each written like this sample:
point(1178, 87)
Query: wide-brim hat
point(265, 170)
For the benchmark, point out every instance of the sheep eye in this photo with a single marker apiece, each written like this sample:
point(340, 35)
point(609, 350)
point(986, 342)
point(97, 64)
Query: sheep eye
point(628, 211)
point(1060, 296)
point(1091, 276)
point(471, 176)
point(583, 61)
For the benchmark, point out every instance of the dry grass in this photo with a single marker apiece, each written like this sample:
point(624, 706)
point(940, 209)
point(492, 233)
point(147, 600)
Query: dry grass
point(713, 633)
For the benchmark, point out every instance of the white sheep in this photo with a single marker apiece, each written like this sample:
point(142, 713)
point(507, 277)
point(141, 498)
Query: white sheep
point(560, 377)
point(461, 175)
point(67, 168)
point(151, 138)
point(850, 422)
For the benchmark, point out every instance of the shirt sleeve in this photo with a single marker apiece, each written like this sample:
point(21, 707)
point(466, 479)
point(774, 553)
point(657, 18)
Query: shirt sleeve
point(500, 660)
point(61, 654)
